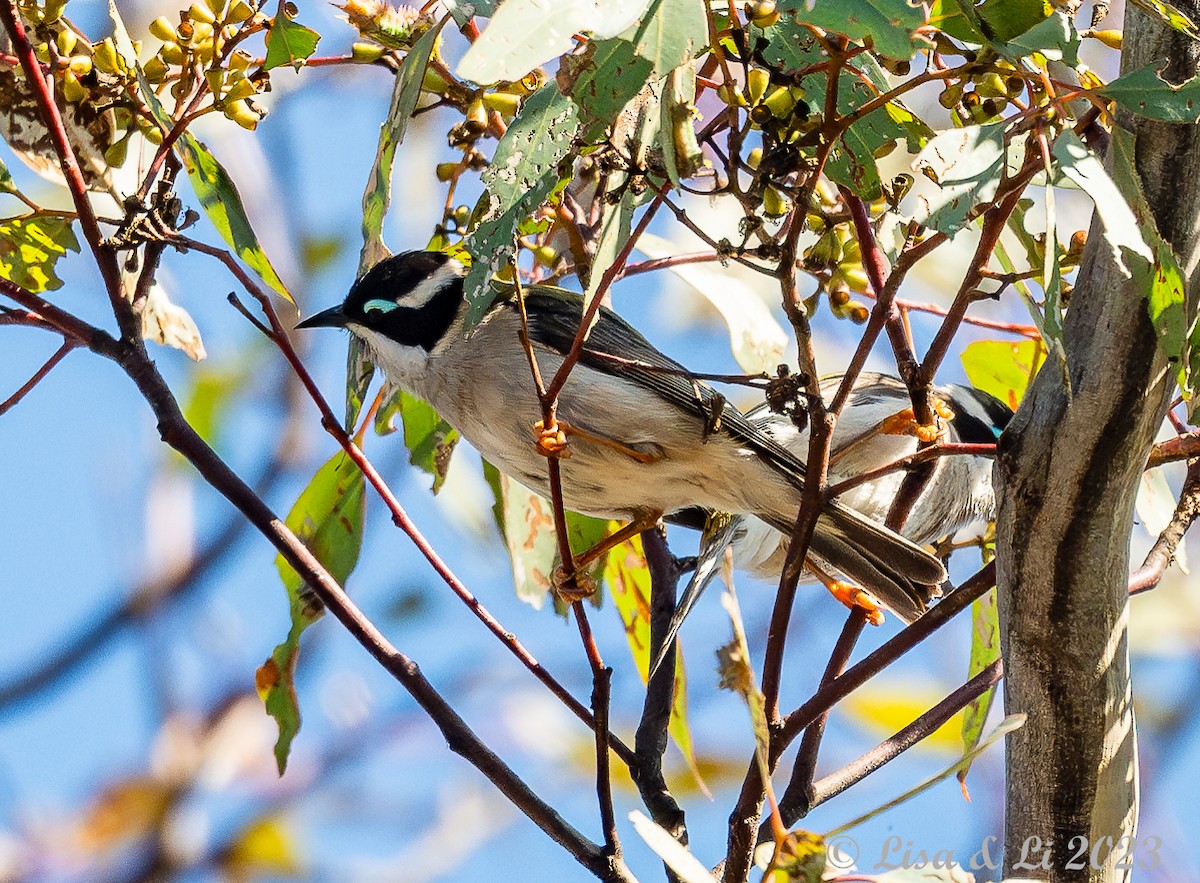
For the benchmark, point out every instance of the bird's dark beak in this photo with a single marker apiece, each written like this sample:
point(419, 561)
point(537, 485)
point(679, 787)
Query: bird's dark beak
point(330, 318)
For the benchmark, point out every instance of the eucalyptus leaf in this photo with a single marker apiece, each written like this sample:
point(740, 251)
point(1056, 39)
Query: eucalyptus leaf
point(30, 248)
point(1147, 94)
point(1170, 15)
point(522, 175)
point(890, 25)
point(967, 165)
point(328, 518)
point(430, 439)
point(524, 34)
point(288, 42)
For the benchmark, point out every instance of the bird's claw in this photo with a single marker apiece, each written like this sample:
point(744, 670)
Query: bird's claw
point(572, 587)
point(856, 596)
point(552, 441)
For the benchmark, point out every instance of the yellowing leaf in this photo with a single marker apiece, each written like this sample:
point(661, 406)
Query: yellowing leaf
point(1003, 368)
point(30, 247)
point(132, 808)
point(265, 846)
point(883, 707)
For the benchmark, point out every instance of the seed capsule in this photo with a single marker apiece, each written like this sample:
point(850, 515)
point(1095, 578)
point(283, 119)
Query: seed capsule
point(504, 102)
point(66, 41)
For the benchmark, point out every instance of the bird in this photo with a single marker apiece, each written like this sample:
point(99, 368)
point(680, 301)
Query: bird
point(872, 431)
point(643, 436)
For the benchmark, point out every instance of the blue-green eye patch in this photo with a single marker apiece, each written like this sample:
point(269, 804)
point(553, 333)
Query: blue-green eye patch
point(381, 304)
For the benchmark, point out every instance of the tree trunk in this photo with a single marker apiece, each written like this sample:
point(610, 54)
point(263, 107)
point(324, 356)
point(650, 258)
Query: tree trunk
point(1067, 475)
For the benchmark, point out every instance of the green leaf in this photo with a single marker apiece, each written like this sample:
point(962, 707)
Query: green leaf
point(1121, 228)
point(287, 41)
point(628, 579)
point(522, 175)
point(670, 33)
point(6, 181)
point(1003, 368)
point(328, 519)
point(464, 10)
point(889, 24)
point(615, 219)
point(223, 204)
point(377, 198)
point(526, 521)
point(957, 18)
point(30, 247)
point(210, 395)
point(1004, 20)
point(985, 649)
point(602, 80)
point(966, 164)
point(1147, 94)
point(1049, 322)
point(430, 439)
point(1055, 38)
point(1169, 15)
point(1161, 280)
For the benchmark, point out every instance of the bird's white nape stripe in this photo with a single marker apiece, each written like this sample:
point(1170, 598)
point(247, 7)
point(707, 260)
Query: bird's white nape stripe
point(429, 288)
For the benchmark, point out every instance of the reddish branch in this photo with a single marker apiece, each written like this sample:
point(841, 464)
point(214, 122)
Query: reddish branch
point(1162, 553)
point(38, 376)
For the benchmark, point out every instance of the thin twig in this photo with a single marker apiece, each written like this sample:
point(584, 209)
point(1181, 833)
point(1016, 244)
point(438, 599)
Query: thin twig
point(38, 376)
point(651, 740)
point(1162, 553)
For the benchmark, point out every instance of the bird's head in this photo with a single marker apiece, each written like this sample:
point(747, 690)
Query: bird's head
point(409, 300)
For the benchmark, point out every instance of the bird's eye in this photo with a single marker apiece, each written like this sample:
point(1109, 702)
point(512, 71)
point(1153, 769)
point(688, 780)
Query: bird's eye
point(381, 305)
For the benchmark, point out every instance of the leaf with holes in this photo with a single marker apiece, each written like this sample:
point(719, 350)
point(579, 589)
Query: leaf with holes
point(287, 41)
point(890, 25)
point(1147, 94)
point(30, 249)
point(328, 519)
point(967, 165)
point(522, 175)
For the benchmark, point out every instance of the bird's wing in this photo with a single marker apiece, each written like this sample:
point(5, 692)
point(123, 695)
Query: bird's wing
point(616, 347)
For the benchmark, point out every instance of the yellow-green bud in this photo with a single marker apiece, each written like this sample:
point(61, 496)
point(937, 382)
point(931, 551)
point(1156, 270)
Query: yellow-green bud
point(239, 60)
point(66, 41)
point(150, 130)
point(858, 312)
point(446, 171)
point(172, 54)
point(42, 52)
point(780, 102)
point(366, 53)
point(1111, 39)
point(242, 114)
point(239, 12)
point(243, 88)
point(116, 154)
point(757, 83)
point(476, 118)
point(81, 65)
point(546, 256)
point(73, 90)
point(504, 102)
point(199, 12)
point(775, 203)
point(155, 70)
point(104, 56)
point(763, 14)
point(754, 157)
point(163, 29)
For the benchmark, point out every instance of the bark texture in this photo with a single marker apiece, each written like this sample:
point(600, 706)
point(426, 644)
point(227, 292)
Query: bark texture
point(1068, 474)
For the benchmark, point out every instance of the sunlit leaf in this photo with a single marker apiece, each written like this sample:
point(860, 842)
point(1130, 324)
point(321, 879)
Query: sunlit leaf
point(629, 584)
point(1155, 507)
point(985, 650)
point(602, 80)
point(755, 335)
point(1003, 20)
point(883, 707)
point(288, 42)
point(1055, 38)
point(686, 866)
point(967, 165)
point(328, 519)
point(6, 182)
point(1003, 368)
point(30, 248)
point(1161, 281)
point(1170, 15)
point(222, 203)
point(524, 34)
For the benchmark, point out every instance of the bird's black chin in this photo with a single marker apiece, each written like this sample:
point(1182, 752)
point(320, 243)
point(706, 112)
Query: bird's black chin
point(330, 318)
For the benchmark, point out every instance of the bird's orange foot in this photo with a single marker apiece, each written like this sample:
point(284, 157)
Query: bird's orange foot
point(856, 596)
point(572, 587)
point(905, 423)
point(551, 442)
